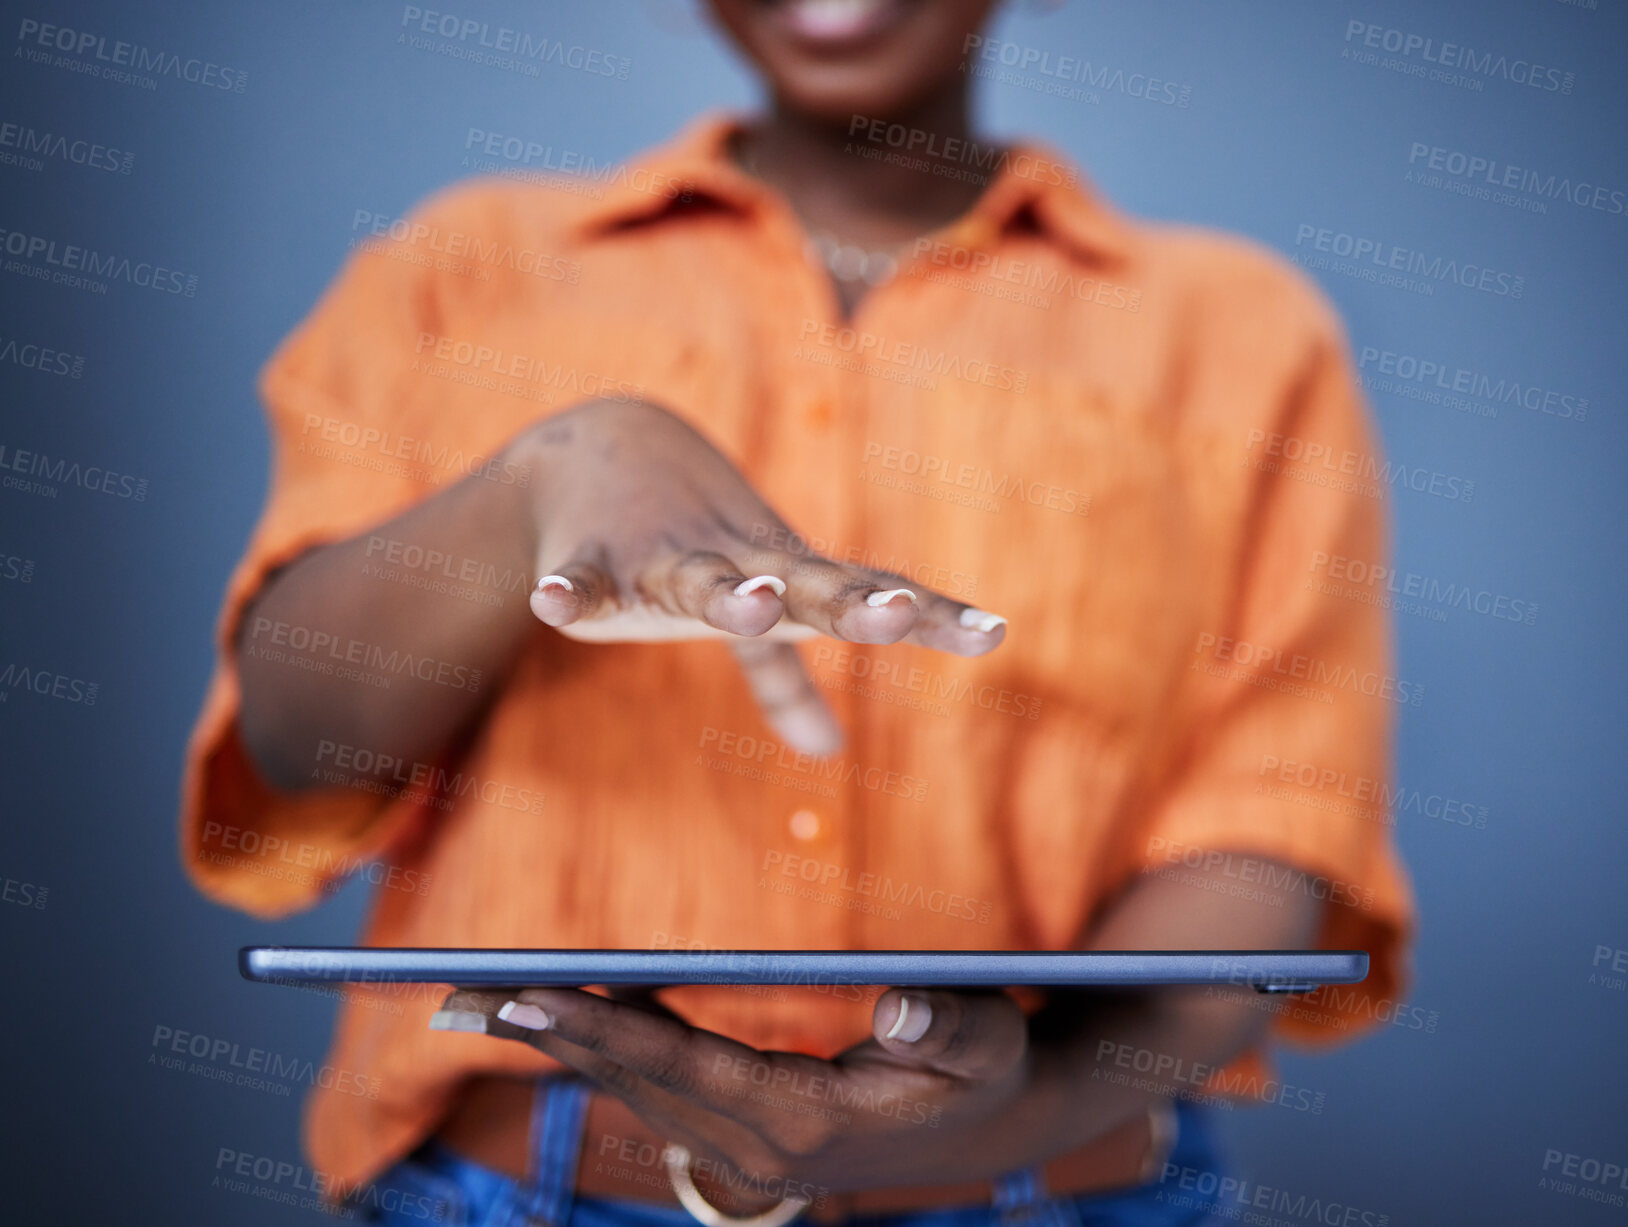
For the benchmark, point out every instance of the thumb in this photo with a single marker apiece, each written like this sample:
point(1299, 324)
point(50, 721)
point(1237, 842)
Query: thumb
point(970, 1035)
point(787, 697)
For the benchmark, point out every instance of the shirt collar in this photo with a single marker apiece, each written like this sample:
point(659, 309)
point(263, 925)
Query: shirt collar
point(1034, 189)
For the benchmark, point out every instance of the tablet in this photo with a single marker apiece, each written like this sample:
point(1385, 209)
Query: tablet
point(1272, 971)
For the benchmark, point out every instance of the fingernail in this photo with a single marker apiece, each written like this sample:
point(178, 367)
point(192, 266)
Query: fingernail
point(980, 620)
point(552, 581)
point(523, 1015)
point(915, 1016)
point(458, 1020)
point(878, 599)
point(748, 586)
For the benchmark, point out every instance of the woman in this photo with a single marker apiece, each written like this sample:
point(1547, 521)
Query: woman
point(1069, 684)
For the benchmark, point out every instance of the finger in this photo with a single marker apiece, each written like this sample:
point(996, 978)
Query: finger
point(501, 1013)
point(864, 605)
point(944, 623)
point(641, 995)
point(575, 590)
point(786, 694)
point(970, 1035)
point(953, 626)
point(675, 1117)
point(843, 602)
point(702, 1067)
point(711, 588)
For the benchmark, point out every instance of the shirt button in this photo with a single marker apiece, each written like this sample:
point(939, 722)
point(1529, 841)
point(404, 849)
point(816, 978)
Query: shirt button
point(805, 825)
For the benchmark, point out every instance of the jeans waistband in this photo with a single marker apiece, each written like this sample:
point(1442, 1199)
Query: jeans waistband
point(459, 1190)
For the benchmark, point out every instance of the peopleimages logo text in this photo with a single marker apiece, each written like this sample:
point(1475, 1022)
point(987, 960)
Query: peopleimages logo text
point(132, 56)
point(1389, 256)
point(525, 47)
point(30, 142)
point(987, 159)
point(1076, 71)
point(1474, 167)
point(95, 478)
point(1438, 375)
point(71, 257)
point(1458, 57)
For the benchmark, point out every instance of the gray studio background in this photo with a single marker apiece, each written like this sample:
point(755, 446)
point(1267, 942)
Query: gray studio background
point(253, 193)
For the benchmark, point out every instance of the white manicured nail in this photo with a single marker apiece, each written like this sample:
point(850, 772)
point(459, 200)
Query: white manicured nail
point(748, 586)
point(878, 599)
point(980, 620)
point(458, 1020)
point(915, 1016)
point(523, 1015)
point(550, 581)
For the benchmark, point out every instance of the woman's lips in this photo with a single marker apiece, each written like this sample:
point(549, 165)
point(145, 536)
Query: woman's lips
point(835, 23)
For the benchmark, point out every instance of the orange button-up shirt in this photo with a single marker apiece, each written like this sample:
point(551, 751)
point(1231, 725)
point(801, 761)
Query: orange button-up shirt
point(1141, 444)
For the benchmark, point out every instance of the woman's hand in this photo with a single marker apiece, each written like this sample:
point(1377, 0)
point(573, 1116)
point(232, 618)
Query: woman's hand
point(640, 530)
point(644, 531)
point(951, 1087)
point(947, 1089)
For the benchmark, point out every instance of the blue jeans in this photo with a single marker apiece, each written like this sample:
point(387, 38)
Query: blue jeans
point(437, 1186)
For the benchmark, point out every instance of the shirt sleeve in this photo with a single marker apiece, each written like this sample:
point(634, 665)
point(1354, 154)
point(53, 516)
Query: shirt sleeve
point(1292, 698)
point(352, 430)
